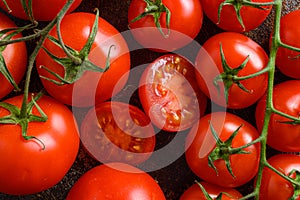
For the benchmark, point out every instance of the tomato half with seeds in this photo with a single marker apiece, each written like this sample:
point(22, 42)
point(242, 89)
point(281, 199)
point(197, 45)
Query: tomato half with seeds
point(283, 133)
point(251, 17)
point(27, 168)
point(222, 60)
point(116, 181)
point(185, 23)
point(194, 192)
point(288, 61)
point(210, 159)
point(14, 55)
point(169, 94)
point(275, 187)
point(43, 10)
point(118, 132)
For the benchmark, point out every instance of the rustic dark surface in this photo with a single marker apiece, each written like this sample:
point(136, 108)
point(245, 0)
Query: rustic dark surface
point(177, 177)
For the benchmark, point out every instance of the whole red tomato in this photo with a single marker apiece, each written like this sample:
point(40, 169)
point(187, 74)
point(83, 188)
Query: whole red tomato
point(116, 181)
point(118, 132)
point(288, 61)
point(43, 10)
point(92, 87)
point(201, 147)
point(283, 134)
point(251, 17)
point(194, 192)
point(169, 94)
point(273, 186)
point(15, 58)
point(185, 23)
point(26, 167)
point(218, 78)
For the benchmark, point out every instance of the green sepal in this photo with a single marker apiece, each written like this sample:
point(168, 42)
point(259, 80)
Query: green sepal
point(7, 6)
point(237, 5)
point(76, 63)
point(155, 9)
point(15, 117)
point(27, 6)
point(224, 150)
point(5, 35)
point(229, 75)
point(296, 193)
point(206, 195)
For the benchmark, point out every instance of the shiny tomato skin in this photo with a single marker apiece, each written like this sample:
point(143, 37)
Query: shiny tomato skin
point(200, 143)
point(194, 192)
point(93, 87)
point(15, 56)
point(252, 17)
point(288, 61)
point(185, 24)
point(236, 48)
point(286, 98)
point(118, 132)
point(169, 94)
point(43, 10)
point(116, 181)
point(25, 167)
point(271, 182)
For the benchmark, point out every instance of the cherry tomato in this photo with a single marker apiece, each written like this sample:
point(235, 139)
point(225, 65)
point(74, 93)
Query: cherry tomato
point(15, 58)
point(169, 94)
point(92, 87)
point(201, 145)
point(287, 60)
point(251, 17)
point(118, 132)
point(236, 49)
point(116, 181)
point(286, 98)
point(185, 24)
point(194, 192)
point(43, 10)
point(26, 167)
point(272, 182)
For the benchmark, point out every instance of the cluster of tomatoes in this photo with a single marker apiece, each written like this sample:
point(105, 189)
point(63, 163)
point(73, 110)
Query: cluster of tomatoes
point(84, 65)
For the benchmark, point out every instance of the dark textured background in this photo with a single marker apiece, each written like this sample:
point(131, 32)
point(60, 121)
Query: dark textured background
point(177, 177)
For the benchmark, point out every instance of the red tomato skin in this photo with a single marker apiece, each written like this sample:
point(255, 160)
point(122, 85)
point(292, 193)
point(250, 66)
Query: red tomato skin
point(153, 103)
point(106, 151)
point(43, 10)
point(286, 60)
point(116, 181)
point(252, 17)
point(236, 48)
point(185, 24)
point(271, 182)
point(286, 98)
point(15, 66)
point(26, 168)
point(93, 87)
point(200, 142)
point(194, 192)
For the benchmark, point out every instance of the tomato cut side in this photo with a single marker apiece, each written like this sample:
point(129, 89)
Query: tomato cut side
point(115, 131)
point(169, 94)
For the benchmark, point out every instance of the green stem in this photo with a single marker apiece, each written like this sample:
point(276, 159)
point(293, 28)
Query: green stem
point(264, 70)
point(32, 57)
point(269, 104)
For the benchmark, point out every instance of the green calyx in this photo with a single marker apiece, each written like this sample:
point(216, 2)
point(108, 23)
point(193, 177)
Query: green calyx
point(237, 5)
point(224, 150)
point(6, 35)
point(296, 193)
point(76, 63)
point(229, 75)
point(16, 116)
point(155, 8)
point(206, 195)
